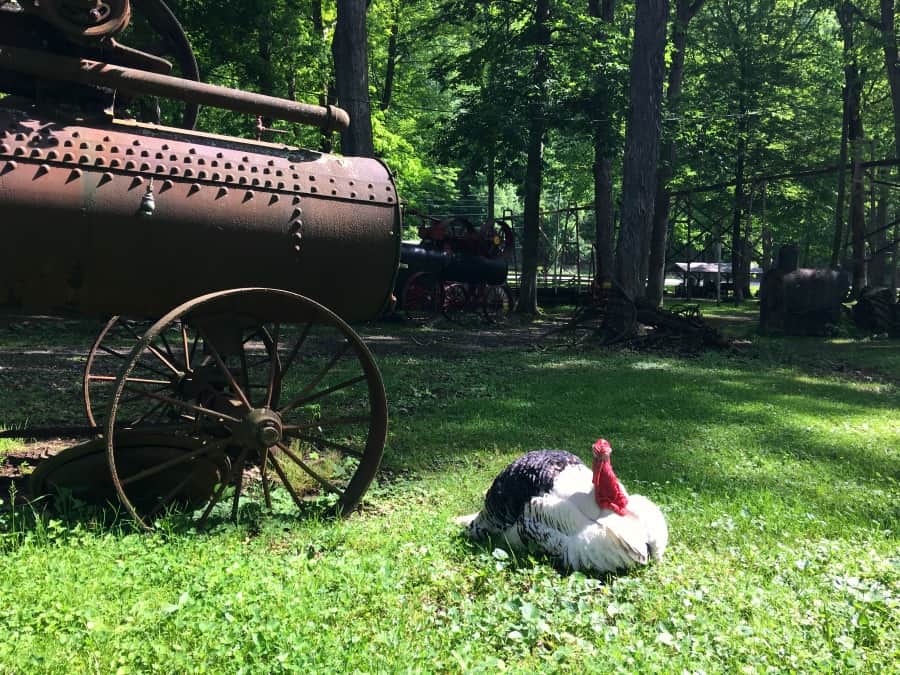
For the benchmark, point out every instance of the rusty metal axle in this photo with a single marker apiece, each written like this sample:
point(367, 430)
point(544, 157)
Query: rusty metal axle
point(143, 83)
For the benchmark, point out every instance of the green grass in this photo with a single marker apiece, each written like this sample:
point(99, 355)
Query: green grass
point(778, 473)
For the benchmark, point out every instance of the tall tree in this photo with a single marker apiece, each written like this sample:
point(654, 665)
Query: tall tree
point(537, 127)
point(853, 81)
point(892, 64)
point(604, 145)
point(685, 10)
point(641, 142)
point(351, 74)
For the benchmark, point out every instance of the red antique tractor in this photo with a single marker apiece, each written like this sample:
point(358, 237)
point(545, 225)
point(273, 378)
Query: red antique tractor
point(457, 268)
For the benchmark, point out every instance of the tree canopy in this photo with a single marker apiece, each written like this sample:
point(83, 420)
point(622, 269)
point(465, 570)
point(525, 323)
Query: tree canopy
point(459, 90)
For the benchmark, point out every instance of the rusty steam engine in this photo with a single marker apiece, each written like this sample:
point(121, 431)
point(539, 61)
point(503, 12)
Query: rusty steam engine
point(230, 268)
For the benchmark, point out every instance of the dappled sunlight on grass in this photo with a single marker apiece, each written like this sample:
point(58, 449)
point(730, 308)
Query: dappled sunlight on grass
point(779, 480)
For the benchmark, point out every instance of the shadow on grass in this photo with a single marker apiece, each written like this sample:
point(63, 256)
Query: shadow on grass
point(725, 429)
point(47, 518)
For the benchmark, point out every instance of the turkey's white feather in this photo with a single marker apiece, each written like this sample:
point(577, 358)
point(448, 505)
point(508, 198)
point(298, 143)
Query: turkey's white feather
point(567, 523)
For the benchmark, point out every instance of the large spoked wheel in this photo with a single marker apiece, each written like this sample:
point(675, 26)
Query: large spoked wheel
point(296, 405)
point(421, 298)
point(498, 302)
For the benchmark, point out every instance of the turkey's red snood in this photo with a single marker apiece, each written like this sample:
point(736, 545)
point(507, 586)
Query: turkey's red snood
point(607, 492)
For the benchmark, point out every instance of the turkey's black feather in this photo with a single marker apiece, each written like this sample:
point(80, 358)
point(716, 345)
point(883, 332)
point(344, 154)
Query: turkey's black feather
point(529, 476)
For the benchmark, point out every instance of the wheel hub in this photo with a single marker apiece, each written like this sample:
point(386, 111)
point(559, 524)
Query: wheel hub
point(260, 428)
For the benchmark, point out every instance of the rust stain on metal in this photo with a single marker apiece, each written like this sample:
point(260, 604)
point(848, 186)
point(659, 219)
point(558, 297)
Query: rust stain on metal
point(93, 206)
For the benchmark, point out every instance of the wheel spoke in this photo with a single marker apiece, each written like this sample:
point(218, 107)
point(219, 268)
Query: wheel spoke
point(245, 374)
point(238, 486)
point(290, 360)
point(221, 489)
point(155, 409)
point(327, 422)
point(194, 348)
point(264, 476)
point(186, 406)
point(273, 371)
point(318, 378)
point(319, 440)
point(169, 496)
point(139, 380)
point(184, 344)
point(165, 343)
point(325, 392)
point(175, 461)
point(159, 355)
point(312, 474)
point(228, 374)
point(124, 357)
point(287, 484)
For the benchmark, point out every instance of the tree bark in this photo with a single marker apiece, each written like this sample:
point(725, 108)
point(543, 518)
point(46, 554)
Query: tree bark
point(737, 241)
point(892, 64)
point(641, 142)
point(842, 178)
point(527, 303)
point(857, 229)
point(878, 241)
point(656, 270)
point(603, 209)
point(391, 67)
point(351, 69)
point(604, 222)
point(326, 92)
point(491, 187)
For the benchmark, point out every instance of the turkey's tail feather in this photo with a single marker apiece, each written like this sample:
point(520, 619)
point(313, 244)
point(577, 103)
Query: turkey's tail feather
point(465, 521)
point(475, 525)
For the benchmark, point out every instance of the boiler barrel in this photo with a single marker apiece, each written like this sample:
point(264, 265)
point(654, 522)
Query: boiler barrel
point(133, 219)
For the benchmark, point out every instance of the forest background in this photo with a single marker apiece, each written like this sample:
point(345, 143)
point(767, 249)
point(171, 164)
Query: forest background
point(625, 107)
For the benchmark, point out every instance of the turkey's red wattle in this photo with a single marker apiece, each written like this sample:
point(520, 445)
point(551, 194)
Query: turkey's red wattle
point(607, 492)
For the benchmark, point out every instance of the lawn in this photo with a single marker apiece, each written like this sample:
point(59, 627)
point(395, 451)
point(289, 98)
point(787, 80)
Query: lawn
point(777, 467)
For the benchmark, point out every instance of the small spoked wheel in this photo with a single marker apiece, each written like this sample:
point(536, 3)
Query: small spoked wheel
point(455, 300)
point(293, 405)
point(498, 302)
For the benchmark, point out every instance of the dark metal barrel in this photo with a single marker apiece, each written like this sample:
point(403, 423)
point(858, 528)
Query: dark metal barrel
point(421, 259)
point(123, 218)
point(476, 269)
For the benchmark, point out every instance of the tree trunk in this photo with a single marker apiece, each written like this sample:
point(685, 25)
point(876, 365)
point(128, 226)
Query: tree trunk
point(857, 202)
point(603, 208)
point(878, 241)
point(641, 142)
point(604, 133)
point(895, 261)
point(766, 242)
point(656, 271)
point(265, 72)
point(351, 70)
point(491, 187)
point(892, 64)
point(842, 180)
point(391, 66)
point(855, 139)
point(737, 241)
point(326, 93)
point(527, 303)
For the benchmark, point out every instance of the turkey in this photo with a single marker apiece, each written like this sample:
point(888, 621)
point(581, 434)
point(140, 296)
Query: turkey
point(550, 501)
